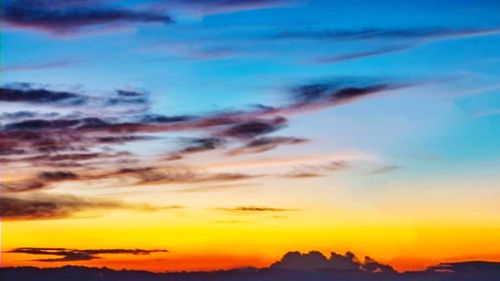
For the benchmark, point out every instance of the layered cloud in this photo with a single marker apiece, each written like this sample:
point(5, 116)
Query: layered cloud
point(376, 41)
point(123, 117)
point(72, 16)
point(256, 209)
point(73, 136)
point(35, 206)
point(84, 16)
point(71, 255)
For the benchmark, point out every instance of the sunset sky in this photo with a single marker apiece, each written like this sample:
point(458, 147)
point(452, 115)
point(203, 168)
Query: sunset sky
point(202, 135)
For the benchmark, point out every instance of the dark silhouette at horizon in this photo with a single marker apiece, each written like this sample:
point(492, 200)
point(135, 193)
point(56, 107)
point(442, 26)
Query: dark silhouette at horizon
point(312, 266)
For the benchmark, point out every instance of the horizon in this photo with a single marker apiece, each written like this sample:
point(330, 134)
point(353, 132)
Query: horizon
point(202, 135)
point(279, 265)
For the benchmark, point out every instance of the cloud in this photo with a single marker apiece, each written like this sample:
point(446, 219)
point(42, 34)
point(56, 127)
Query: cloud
point(197, 145)
point(65, 19)
point(459, 271)
point(318, 170)
point(57, 176)
point(256, 209)
point(210, 7)
point(264, 144)
point(298, 174)
point(315, 260)
point(41, 95)
point(359, 55)
point(88, 138)
point(186, 176)
point(394, 40)
point(36, 206)
point(57, 64)
point(385, 169)
point(21, 186)
point(79, 254)
point(251, 129)
point(384, 34)
point(26, 94)
point(210, 188)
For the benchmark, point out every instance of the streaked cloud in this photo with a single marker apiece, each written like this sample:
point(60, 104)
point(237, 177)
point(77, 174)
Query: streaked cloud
point(38, 206)
point(72, 16)
point(256, 209)
point(70, 255)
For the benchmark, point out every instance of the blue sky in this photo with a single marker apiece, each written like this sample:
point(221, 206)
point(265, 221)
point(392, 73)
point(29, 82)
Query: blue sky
point(380, 99)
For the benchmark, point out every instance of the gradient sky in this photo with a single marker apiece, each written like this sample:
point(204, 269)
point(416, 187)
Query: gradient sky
point(230, 132)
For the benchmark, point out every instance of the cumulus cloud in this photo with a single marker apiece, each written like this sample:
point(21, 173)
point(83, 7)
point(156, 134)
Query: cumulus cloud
point(315, 260)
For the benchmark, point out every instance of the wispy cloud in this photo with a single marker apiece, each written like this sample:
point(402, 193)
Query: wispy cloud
point(202, 7)
point(56, 64)
point(385, 169)
point(256, 209)
point(36, 206)
point(69, 17)
point(69, 255)
point(392, 40)
point(264, 144)
point(85, 140)
point(384, 34)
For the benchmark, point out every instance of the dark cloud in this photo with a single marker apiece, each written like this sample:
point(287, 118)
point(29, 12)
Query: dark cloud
point(468, 267)
point(384, 34)
point(28, 94)
point(57, 176)
point(315, 260)
point(156, 118)
point(62, 19)
point(88, 137)
point(178, 176)
point(333, 94)
point(264, 144)
point(44, 206)
point(460, 271)
point(196, 145)
point(37, 206)
point(39, 94)
point(79, 254)
point(26, 114)
point(359, 55)
point(255, 128)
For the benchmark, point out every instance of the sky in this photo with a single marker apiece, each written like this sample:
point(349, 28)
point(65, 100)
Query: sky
point(202, 135)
